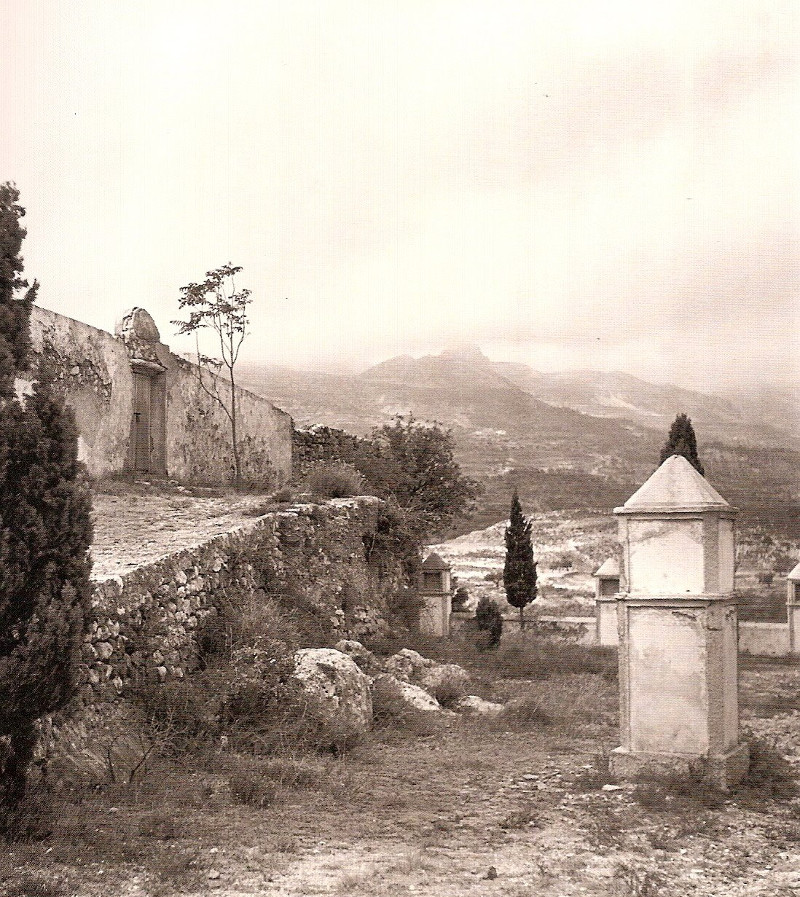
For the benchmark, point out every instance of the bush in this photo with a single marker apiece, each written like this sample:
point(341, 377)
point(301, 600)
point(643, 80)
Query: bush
point(334, 480)
point(405, 606)
point(460, 599)
point(489, 620)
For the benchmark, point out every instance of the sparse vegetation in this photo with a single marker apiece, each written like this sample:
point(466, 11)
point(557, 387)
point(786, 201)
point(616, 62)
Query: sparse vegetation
point(334, 480)
point(217, 305)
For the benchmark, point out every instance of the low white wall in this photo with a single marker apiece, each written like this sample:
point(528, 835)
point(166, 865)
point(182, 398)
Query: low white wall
point(766, 639)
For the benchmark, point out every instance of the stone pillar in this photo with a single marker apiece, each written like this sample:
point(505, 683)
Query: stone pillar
point(678, 630)
point(793, 609)
point(435, 590)
point(606, 590)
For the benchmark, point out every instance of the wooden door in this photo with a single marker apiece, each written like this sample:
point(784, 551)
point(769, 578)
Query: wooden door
point(142, 443)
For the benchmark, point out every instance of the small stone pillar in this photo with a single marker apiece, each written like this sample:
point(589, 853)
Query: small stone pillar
point(606, 590)
point(435, 591)
point(678, 630)
point(793, 609)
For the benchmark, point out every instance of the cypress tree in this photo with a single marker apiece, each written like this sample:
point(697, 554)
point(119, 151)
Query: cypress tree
point(682, 441)
point(519, 571)
point(45, 533)
point(14, 311)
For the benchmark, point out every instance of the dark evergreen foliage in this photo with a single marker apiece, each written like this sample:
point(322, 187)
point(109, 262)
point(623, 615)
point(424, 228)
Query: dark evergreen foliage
point(14, 311)
point(682, 441)
point(45, 533)
point(489, 619)
point(519, 571)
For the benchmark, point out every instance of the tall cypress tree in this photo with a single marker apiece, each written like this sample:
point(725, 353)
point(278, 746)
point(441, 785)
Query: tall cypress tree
point(14, 310)
point(45, 533)
point(519, 571)
point(682, 441)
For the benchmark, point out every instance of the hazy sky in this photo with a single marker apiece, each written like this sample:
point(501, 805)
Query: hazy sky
point(570, 184)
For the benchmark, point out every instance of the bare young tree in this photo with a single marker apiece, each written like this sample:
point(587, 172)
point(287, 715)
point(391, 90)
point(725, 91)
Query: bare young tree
point(217, 304)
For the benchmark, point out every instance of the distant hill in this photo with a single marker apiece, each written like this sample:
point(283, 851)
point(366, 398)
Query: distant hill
point(574, 439)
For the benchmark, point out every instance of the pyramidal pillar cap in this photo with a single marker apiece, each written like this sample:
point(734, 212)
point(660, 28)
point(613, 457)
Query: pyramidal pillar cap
point(674, 488)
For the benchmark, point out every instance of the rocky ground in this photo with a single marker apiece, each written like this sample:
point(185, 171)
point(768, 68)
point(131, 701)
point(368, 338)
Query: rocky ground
point(516, 805)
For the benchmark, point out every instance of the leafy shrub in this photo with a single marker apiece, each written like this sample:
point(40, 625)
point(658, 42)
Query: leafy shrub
point(334, 480)
point(448, 690)
point(770, 775)
point(489, 620)
point(395, 537)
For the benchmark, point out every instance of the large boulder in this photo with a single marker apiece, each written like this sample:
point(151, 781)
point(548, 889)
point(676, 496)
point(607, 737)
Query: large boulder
point(338, 687)
point(362, 656)
point(396, 698)
point(408, 665)
point(447, 682)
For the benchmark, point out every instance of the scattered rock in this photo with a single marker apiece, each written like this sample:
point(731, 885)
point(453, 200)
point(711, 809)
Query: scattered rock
point(472, 704)
point(334, 680)
point(447, 682)
point(358, 653)
point(491, 873)
point(395, 697)
point(408, 665)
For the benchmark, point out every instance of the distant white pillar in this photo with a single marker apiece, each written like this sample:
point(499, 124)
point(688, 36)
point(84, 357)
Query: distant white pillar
point(435, 590)
point(793, 609)
point(678, 630)
point(606, 590)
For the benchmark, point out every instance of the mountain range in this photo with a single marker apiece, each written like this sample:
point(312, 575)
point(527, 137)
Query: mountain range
point(578, 436)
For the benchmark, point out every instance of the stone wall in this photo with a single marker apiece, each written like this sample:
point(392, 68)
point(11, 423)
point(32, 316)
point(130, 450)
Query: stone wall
point(316, 444)
point(146, 621)
point(96, 373)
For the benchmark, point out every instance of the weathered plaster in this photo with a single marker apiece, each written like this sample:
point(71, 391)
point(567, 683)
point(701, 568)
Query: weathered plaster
point(94, 370)
point(678, 629)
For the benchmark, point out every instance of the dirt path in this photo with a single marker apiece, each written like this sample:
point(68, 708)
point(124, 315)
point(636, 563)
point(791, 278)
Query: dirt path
point(472, 810)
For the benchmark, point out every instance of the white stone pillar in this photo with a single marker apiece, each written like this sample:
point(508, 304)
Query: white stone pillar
point(435, 589)
point(606, 590)
point(678, 630)
point(793, 609)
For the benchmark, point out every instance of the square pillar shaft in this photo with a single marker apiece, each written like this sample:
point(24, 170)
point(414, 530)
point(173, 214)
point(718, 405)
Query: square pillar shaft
point(677, 625)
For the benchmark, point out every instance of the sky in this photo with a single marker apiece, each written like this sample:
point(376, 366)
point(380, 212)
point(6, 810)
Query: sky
point(567, 183)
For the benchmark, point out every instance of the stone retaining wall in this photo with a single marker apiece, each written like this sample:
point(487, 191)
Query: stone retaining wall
point(317, 444)
point(146, 620)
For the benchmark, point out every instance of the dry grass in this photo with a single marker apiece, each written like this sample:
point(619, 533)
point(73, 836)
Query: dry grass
point(434, 811)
